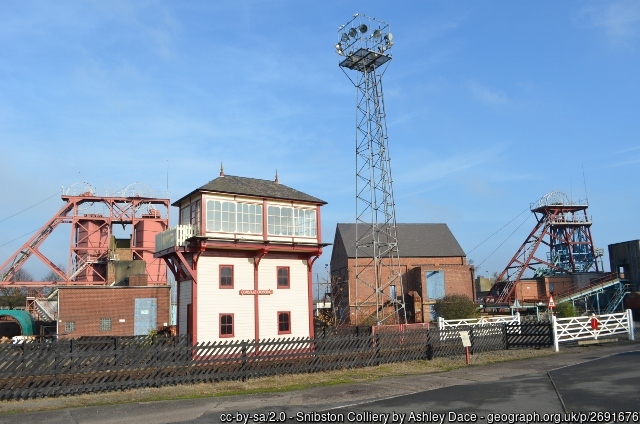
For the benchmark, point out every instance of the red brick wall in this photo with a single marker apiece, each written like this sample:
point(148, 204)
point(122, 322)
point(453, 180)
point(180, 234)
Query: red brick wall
point(458, 278)
point(86, 305)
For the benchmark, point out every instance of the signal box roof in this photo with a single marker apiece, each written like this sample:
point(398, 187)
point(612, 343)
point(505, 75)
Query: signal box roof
point(253, 187)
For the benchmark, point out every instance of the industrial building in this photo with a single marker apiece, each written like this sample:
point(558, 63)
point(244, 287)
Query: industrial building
point(111, 248)
point(242, 256)
point(432, 263)
point(624, 259)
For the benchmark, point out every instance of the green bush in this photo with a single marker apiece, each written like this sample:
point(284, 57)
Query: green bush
point(566, 310)
point(456, 306)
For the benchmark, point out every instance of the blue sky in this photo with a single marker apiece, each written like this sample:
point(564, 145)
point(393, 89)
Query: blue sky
point(490, 105)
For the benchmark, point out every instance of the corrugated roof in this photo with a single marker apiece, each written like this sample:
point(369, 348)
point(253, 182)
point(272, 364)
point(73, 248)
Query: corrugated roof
point(414, 240)
point(253, 187)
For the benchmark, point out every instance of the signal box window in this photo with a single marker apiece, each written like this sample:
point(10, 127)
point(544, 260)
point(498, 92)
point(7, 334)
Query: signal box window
point(284, 322)
point(283, 277)
point(226, 325)
point(226, 276)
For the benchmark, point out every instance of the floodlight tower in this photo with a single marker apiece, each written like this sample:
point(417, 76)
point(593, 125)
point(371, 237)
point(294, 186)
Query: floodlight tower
point(364, 46)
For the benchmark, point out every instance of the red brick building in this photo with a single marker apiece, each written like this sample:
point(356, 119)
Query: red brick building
point(112, 311)
point(432, 264)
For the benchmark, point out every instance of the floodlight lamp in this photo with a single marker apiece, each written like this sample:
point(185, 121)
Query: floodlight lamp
point(363, 28)
point(389, 37)
point(353, 32)
point(344, 37)
point(377, 33)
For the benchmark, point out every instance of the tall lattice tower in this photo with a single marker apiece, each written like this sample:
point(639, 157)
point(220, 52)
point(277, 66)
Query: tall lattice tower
point(364, 46)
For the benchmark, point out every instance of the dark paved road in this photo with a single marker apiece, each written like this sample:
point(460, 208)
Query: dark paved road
point(605, 379)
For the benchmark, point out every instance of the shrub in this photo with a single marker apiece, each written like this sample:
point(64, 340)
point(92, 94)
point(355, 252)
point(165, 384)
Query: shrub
point(455, 306)
point(566, 310)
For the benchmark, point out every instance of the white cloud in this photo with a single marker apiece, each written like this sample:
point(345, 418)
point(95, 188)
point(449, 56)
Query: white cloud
point(620, 21)
point(487, 96)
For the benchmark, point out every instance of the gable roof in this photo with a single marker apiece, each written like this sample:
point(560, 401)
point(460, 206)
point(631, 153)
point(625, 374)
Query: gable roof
point(253, 187)
point(414, 240)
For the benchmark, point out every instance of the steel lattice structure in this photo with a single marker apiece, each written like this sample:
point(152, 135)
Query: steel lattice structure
point(563, 226)
point(364, 45)
point(91, 243)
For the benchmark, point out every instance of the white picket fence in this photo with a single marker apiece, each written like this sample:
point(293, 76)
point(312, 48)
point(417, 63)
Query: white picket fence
point(580, 328)
point(448, 323)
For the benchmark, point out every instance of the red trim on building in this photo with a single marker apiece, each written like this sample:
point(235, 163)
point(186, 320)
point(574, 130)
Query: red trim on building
point(265, 235)
point(287, 321)
point(310, 262)
point(318, 225)
point(256, 308)
point(220, 276)
point(220, 324)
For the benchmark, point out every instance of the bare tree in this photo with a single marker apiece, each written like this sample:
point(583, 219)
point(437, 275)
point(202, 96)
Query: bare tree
point(12, 297)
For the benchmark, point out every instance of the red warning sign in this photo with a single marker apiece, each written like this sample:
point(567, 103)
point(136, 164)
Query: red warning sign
point(552, 303)
point(594, 322)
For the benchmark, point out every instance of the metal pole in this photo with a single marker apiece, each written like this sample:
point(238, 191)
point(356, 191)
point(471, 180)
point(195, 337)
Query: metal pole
point(556, 345)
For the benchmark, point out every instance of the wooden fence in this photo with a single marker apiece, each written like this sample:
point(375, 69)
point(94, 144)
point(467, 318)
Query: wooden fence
point(99, 364)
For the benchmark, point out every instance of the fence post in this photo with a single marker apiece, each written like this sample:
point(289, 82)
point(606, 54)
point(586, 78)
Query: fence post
point(518, 317)
point(630, 321)
point(377, 342)
point(244, 361)
point(556, 344)
point(115, 350)
point(440, 323)
point(506, 336)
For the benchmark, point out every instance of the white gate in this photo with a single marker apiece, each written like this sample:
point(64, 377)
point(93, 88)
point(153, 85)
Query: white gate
point(581, 328)
point(448, 323)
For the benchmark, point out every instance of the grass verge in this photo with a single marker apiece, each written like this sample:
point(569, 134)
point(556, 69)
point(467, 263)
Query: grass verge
point(274, 384)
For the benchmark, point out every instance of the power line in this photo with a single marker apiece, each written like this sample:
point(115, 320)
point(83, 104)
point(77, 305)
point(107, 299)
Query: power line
point(482, 242)
point(32, 206)
point(18, 238)
point(505, 240)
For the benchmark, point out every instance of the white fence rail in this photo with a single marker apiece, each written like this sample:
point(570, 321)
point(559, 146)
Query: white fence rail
point(583, 328)
point(448, 323)
point(175, 236)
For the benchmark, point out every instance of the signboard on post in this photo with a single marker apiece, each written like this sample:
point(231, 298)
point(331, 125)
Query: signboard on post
point(552, 303)
point(466, 341)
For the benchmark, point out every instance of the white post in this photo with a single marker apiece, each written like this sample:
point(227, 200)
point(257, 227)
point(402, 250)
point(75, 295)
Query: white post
point(518, 316)
point(630, 321)
point(556, 345)
point(440, 323)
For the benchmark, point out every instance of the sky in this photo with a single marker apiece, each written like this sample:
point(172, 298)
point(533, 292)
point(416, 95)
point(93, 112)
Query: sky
point(490, 105)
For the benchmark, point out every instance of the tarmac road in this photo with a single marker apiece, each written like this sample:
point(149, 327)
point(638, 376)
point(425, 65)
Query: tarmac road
point(604, 379)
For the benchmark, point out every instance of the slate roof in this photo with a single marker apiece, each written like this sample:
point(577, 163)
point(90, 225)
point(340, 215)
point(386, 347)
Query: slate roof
point(253, 187)
point(414, 240)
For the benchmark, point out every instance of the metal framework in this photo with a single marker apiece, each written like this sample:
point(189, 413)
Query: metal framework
point(92, 246)
point(364, 45)
point(563, 226)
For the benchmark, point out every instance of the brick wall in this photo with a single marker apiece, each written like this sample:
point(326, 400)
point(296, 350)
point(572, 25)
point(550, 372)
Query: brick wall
point(458, 279)
point(85, 306)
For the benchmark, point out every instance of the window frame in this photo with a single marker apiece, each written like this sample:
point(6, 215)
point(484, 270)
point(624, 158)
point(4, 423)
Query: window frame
point(220, 324)
point(278, 268)
point(288, 315)
point(220, 285)
point(245, 218)
point(290, 221)
point(105, 321)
